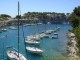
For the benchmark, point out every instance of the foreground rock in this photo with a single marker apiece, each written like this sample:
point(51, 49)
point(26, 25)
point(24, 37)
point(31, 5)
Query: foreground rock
point(71, 48)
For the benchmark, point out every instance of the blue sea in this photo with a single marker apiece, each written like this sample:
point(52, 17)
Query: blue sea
point(54, 49)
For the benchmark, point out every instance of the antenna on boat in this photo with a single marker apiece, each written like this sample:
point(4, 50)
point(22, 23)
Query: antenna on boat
point(18, 28)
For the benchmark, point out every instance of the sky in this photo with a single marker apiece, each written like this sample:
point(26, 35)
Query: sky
point(61, 6)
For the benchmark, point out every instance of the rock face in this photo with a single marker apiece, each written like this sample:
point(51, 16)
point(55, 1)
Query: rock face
point(71, 48)
point(3, 23)
point(44, 21)
point(22, 21)
point(62, 20)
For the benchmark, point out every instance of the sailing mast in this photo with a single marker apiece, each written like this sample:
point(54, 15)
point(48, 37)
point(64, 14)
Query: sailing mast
point(55, 20)
point(18, 29)
point(3, 50)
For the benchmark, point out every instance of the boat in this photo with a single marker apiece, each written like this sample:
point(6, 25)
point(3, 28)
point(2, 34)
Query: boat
point(25, 25)
point(32, 24)
point(4, 29)
point(10, 27)
point(32, 42)
point(13, 28)
point(34, 50)
point(33, 37)
point(44, 35)
point(49, 31)
point(48, 23)
point(28, 24)
point(58, 28)
point(39, 23)
point(13, 53)
point(54, 37)
point(55, 33)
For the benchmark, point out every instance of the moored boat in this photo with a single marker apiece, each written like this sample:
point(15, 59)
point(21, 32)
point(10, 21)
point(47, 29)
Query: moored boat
point(34, 50)
point(32, 42)
point(13, 55)
point(55, 33)
point(54, 37)
point(4, 29)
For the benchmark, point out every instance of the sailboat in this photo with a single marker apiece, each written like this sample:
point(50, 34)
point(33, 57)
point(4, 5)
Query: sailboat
point(32, 42)
point(15, 54)
point(47, 32)
point(33, 37)
point(55, 34)
point(13, 28)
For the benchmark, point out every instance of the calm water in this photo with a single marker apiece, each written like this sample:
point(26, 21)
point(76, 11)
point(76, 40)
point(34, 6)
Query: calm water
point(53, 48)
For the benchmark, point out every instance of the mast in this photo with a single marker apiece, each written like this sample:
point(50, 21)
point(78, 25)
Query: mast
point(3, 50)
point(18, 29)
point(45, 26)
point(55, 20)
point(56, 23)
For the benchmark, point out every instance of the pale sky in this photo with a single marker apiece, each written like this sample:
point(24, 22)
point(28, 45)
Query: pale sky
point(62, 6)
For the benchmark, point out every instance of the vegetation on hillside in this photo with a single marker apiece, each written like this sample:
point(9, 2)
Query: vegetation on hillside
point(75, 17)
point(4, 17)
point(43, 17)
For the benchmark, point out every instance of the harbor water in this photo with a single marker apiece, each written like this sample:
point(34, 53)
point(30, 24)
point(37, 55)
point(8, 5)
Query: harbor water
point(54, 49)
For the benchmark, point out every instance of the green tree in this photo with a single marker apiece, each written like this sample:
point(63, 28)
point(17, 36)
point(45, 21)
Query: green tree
point(67, 14)
point(5, 15)
point(75, 22)
point(18, 16)
point(75, 17)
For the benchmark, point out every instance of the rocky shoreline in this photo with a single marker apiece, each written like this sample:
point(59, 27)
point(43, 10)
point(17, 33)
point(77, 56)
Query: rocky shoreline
point(71, 48)
point(3, 23)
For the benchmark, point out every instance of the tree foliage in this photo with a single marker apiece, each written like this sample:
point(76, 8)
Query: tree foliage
point(43, 15)
point(5, 15)
point(75, 17)
point(18, 17)
point(75, 22)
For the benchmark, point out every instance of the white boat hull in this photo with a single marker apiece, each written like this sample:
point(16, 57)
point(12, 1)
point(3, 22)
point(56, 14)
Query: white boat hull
point(32, 42)
point(34, 50)
point(55, 33)
point(13, 55)
point(54, 37)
